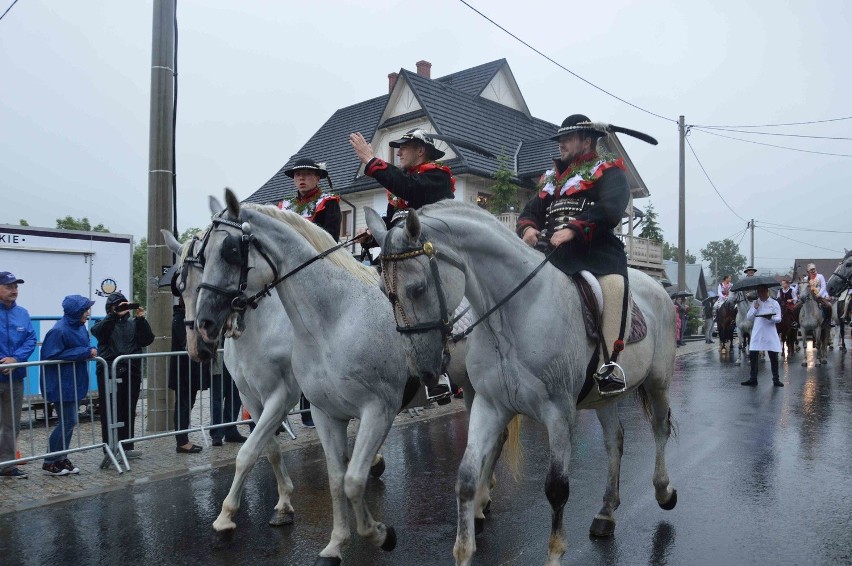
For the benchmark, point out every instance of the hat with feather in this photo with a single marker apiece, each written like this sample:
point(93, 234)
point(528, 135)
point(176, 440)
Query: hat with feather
point(582, 123)
point(306, 164)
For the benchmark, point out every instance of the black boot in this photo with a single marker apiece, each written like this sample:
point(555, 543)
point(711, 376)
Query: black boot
point(777, 382)
point(751, 382)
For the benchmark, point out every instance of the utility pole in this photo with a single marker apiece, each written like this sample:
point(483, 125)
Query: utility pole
point(751, 225)
point(160, 207)
point(681, 223)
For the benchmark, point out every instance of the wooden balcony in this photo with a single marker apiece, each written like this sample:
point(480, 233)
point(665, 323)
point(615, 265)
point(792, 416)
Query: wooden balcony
point(510, 219)
point(643, 254)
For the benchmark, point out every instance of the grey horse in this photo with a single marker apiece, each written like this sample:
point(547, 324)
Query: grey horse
point(529, 357)
point(744, 325)
point(346, 355)
point(811, 322)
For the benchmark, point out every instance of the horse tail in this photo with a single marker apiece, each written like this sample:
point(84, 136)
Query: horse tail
point(648, 410)
point(512, 448)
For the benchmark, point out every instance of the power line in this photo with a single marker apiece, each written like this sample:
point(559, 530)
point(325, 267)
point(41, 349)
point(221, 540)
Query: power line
point(711, 182)
point(797, 241)
point(800, 229)
point(777, 125)
point(778, 134)
point(566, 68)
point(7, 9)
point(769, 144)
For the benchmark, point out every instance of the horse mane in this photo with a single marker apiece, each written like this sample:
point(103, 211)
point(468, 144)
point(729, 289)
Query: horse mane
point(320, 240)
point(187, 246)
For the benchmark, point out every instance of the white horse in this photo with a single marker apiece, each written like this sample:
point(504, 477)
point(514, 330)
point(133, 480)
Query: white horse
point(811, 321)
point(531, 356)
point(346, 355)
point(744, 325)
point(266, 384)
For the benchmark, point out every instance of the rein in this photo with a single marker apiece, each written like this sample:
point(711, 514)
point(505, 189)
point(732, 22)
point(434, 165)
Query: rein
point(445, 324)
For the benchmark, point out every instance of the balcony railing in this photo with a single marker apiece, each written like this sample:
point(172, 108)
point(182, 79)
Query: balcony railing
point(510, 219)
point(642, 252)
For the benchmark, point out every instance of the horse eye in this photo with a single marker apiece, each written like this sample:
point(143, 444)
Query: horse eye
point(417, 290)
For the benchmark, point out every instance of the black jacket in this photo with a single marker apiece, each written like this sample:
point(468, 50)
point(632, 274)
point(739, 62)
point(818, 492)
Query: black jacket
point(417, 187)
point(184, 374)
point(122, 335)
point(594, 248)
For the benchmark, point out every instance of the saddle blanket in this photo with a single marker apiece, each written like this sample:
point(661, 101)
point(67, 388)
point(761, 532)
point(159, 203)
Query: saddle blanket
point(638, 326)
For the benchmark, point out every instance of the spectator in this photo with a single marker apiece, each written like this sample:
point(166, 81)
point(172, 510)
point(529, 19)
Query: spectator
point(65, 384)
point(224, 408)
point(708, 319)
point(186, 379)
point(17, 343)
point(766, 313)
point(118, 334)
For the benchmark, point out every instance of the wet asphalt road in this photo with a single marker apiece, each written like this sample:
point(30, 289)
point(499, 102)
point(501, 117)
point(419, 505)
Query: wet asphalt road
point(764, 476)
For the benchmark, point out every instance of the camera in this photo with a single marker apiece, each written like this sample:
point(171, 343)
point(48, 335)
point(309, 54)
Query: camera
point(127, 307)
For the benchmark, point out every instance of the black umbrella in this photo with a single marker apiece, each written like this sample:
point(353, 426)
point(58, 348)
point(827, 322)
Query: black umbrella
point(711, 296)
point(168, 276)
point(665, 283)
point(751, 283)
point(680, 294)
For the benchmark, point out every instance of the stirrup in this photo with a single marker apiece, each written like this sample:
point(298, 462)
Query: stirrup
point(610, 379)
point(440, 393)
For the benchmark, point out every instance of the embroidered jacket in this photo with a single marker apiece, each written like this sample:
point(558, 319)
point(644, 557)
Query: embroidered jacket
point(412, 188)
point(594, 247)
point(320, 208)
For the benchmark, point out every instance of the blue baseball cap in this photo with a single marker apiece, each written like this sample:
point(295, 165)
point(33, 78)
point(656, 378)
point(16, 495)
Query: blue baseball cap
point(6, 278)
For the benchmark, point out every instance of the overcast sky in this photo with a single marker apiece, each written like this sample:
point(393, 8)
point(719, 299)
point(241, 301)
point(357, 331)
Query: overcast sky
point(258, 78)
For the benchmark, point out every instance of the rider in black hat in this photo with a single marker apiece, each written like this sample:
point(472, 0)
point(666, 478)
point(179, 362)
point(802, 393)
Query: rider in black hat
point(579, 203)
point(417, 181)
point(323, 209)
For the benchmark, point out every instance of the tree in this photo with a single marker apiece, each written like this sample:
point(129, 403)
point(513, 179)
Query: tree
point(671, 252)
point(140, 272)
point(724, 258)
point(650, 228)
point(23, 222)
point(504, 193)
point(70, 223)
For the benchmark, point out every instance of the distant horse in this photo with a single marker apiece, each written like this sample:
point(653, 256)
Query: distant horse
point(811, 321)
point(530, 356)
point(787, 330)
point(744, 325)
point(840, 281)
point(726, 319)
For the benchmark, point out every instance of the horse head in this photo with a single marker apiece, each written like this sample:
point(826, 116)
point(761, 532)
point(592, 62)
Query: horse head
point(229, 270)
point(841, 279)
point(425, 282)
point(186, 280)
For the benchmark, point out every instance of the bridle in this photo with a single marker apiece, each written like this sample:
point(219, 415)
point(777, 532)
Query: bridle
point(445, 324)
point(235, 251)
point(847, 280)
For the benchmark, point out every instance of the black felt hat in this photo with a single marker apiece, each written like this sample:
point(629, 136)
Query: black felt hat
point(308, 165)
point(422, 137)
point(580, 123)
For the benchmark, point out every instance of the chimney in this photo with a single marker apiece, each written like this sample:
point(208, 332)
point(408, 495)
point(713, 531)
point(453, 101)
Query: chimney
point(424, 69)
point(392, 81)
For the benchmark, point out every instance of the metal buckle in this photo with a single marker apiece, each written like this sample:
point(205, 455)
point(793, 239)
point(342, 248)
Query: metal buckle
point(617, 374)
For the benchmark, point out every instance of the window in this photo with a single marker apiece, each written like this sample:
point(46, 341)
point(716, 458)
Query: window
point(482, 199)
point(345, 224)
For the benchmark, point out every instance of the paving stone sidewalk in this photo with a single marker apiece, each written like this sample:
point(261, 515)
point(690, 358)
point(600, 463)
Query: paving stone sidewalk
point(159, 459)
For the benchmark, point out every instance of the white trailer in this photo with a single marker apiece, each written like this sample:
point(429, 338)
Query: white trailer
point(55, 263)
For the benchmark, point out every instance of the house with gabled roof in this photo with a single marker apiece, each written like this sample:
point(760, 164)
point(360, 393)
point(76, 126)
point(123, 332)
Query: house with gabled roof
point(483, 105)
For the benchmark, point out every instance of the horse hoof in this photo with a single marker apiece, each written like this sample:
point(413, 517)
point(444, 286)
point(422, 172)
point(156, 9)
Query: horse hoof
point(280, 519)
point(222, 539)
point(670, 504)
point(328, 561)
point(390, 540)
point(377, 469)
point(602, 527)
point(487, 508)
point(478, 525)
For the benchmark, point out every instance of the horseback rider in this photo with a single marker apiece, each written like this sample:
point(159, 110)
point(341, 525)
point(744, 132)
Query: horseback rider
point(787, 297)
point(580, 201)
point(323, 209)
point(724, 291)
point(418, 181)
point(815, 284)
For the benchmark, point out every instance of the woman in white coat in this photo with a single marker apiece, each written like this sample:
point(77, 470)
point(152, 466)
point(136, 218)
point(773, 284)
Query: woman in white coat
point(766, 313)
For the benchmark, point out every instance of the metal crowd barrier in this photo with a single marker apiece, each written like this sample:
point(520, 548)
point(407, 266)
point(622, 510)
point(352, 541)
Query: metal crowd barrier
point(33, 433)
point(138, 406)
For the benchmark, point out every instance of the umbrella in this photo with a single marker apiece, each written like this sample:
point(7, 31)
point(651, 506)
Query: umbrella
point(750, 283)
point(679, 294)
point(711, 296)
point(168, 276)
point(665, 283)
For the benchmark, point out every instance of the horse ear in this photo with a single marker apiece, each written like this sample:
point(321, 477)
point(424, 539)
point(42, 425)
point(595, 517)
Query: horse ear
point(412, 226)
point(376, 225)
point(171, 242)
point(215, 206)
point(232, 202)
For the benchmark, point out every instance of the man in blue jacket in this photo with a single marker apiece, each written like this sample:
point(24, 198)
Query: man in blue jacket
point(65, 384)
point(17, 343)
